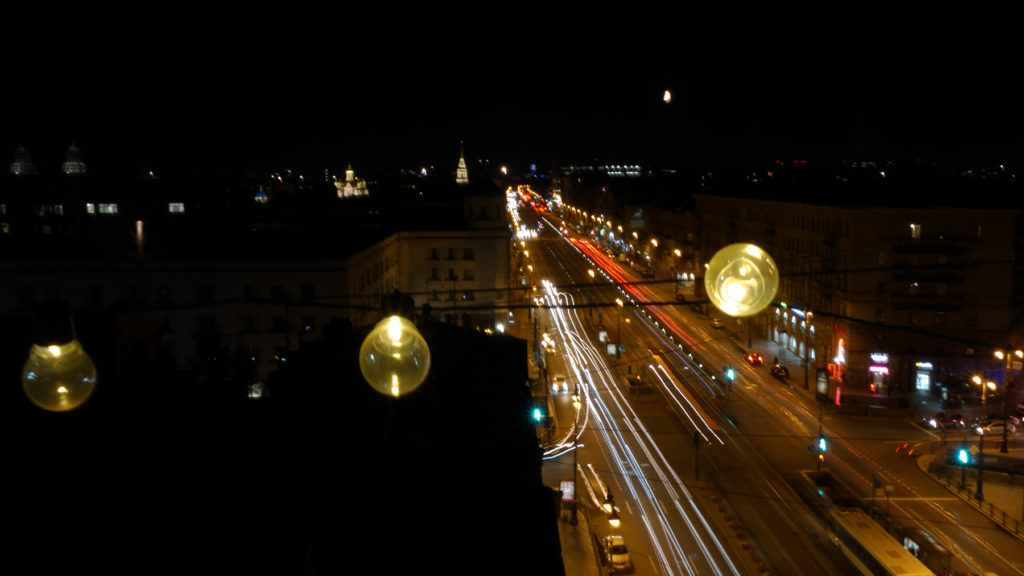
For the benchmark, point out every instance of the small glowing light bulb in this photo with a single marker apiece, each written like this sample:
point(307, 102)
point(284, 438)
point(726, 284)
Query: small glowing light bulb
point(58, 378)
point(394, 358)
point(741, 279)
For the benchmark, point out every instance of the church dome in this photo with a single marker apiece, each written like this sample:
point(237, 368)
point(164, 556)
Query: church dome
point(22, 165)
point(73, 164)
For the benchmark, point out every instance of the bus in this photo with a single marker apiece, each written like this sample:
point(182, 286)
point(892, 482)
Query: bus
point(869, 547)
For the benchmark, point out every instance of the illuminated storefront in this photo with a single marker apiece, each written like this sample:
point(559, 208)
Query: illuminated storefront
point(878, 371)
point(923, 376)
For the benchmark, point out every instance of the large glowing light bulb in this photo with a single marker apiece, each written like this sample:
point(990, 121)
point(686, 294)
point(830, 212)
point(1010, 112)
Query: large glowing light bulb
point(394, 357)
point(741, 279)
point(58, 377)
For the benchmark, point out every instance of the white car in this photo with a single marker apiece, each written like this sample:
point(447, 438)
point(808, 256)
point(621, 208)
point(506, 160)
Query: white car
point(617, 554)
point(559, 383)
point(995, 429)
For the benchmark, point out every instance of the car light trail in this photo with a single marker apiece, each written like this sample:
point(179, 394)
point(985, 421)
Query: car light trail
point(678, 393)
point(638, 465)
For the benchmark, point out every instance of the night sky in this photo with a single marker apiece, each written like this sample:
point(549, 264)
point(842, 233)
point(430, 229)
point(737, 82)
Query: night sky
point(518, 82)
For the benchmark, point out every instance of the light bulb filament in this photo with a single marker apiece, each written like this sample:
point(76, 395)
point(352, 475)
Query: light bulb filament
point(395, 330)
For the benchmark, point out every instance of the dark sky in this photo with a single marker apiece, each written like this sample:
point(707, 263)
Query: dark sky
point(518, 82)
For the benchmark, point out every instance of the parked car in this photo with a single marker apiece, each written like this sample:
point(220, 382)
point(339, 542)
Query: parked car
point(996, 428)
point(943, 421)
point(754, 359)
point(717, 323)
point(617, 554)
point(779, 371)
point(559, 383)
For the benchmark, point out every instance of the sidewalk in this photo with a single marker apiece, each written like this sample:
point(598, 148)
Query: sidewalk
point(1002, 498)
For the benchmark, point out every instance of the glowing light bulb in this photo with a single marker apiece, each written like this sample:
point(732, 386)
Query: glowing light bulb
point(58, 378)
point(741, 279)
point(394, 358)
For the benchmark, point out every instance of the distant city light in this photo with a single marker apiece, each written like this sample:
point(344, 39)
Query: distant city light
point(667, 96)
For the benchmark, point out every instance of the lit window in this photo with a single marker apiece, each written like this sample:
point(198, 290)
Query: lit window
point(915, 231)
point(110, 209)
point(176, 207)
point(90, 208)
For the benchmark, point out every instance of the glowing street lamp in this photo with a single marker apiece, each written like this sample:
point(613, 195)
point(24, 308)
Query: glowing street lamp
point(618, 328)
point(1009, 357)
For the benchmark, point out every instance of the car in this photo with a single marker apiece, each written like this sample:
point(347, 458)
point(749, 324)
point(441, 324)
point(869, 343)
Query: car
point(754, 359)
point(559, 383)
point(779, 371)
point(617, 554)
point(943, 421)
point(995, 428)
point(717, 323)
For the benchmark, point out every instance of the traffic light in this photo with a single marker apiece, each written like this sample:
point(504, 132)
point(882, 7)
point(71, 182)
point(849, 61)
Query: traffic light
point(730, 374)
point(963, 456)
point(538, 414)
point(822, 445)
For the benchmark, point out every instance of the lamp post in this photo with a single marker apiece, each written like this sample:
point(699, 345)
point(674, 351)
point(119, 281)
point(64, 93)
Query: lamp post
point(978, 495)
point(618, 329)
point(1019, 354)
point(675, 269)
point(654, 259)
point(577, 404)
point(613, 513)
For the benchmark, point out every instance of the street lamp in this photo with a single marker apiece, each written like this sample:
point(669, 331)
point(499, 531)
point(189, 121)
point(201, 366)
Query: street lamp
point(978, 495)
point(613, 513)
point(1019, 354)
point(675, 268)
point(618, 328)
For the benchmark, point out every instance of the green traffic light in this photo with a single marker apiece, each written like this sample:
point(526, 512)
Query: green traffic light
point(822, 446)
point(962, 456)
point(730, 374)
point(537, 414)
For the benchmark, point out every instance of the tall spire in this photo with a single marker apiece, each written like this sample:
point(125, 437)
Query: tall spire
point(462, 173)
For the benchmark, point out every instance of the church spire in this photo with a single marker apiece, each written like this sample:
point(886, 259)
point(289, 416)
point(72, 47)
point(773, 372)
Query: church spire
point(462, 173)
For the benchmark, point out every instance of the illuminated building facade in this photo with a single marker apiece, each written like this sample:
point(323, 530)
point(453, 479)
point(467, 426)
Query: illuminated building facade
point(194, 272)
point(887, 299)
point(352, 186)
